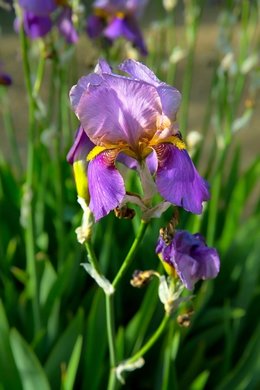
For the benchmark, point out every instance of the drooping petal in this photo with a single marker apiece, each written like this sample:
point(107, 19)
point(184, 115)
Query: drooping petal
point(77, 156)
point(129, 110)
point(128, 28)
point(66, 27)
point(170, 96)
point(80, 148)
point(95, 26)
point(118, 28)
point(178, 180)
point(106, 185)
point(36, 26)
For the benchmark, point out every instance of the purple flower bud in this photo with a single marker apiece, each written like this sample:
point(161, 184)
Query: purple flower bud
point(190, 257)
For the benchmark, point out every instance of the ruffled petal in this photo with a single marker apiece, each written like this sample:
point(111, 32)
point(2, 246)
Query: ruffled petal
point(106, 185)
point(178, 180)
point(129, 110)
point(170, 96)
point(81, 87)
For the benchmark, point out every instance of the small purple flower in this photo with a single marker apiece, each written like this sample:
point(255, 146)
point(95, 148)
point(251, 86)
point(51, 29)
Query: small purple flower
point(39, 18)
point(134, 119)
point(190, 257)
point(117, 18)
point(5, 79)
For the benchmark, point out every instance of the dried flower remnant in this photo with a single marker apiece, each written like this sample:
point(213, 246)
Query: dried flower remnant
point(188, 256)
point(113, 19)
point(136, 125)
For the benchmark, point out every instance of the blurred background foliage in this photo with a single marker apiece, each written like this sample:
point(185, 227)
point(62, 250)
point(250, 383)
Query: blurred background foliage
point(52, 316)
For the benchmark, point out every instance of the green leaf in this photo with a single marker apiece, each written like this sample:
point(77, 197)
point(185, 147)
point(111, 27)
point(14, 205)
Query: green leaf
point(71, 371)
point(200, 382)
point(9, 376)
point(96, 344)
point(62, 351)
point(31, 372)
point(246, 374)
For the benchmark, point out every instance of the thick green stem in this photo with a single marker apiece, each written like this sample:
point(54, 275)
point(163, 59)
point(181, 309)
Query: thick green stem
point(32, 286)
point(151, 341)
point(130, 256)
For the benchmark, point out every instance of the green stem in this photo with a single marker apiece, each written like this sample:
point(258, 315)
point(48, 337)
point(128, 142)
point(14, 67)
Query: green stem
point(92, 256)
point(8, 124)
point(58, 171)
point(39, 75)
point(130, 256)
point(111, 340)
point(151, 341)
point(110, 321)
point(32, 286)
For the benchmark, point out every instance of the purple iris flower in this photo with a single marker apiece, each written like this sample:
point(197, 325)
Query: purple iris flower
point(39, 18)
point(117, 18)
point(190, 257)
point(5, 79)
point(134, 118)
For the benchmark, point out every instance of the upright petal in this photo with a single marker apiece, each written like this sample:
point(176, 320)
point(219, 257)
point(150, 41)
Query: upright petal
point(106, 185)
point(129, 111)
point(178, 180)
point(170, 96)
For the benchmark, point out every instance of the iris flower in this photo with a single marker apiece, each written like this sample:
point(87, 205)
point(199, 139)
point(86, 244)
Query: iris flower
point(39, 18)
point(5, 79)
point(117, 18)
point(189, 257)
point(132, 119)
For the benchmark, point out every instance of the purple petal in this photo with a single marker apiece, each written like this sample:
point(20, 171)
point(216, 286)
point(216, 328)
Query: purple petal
point(106, 185)
point(178, 180)
point(95, 26)
point(129, 111)
point(80, 148)
point(170, 96)
point(66, 27)
point(36, 26)
point(39, 7)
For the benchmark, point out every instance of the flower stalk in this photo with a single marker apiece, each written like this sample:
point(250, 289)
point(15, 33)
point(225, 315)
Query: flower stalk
point(130, 256)
point(32, 286)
